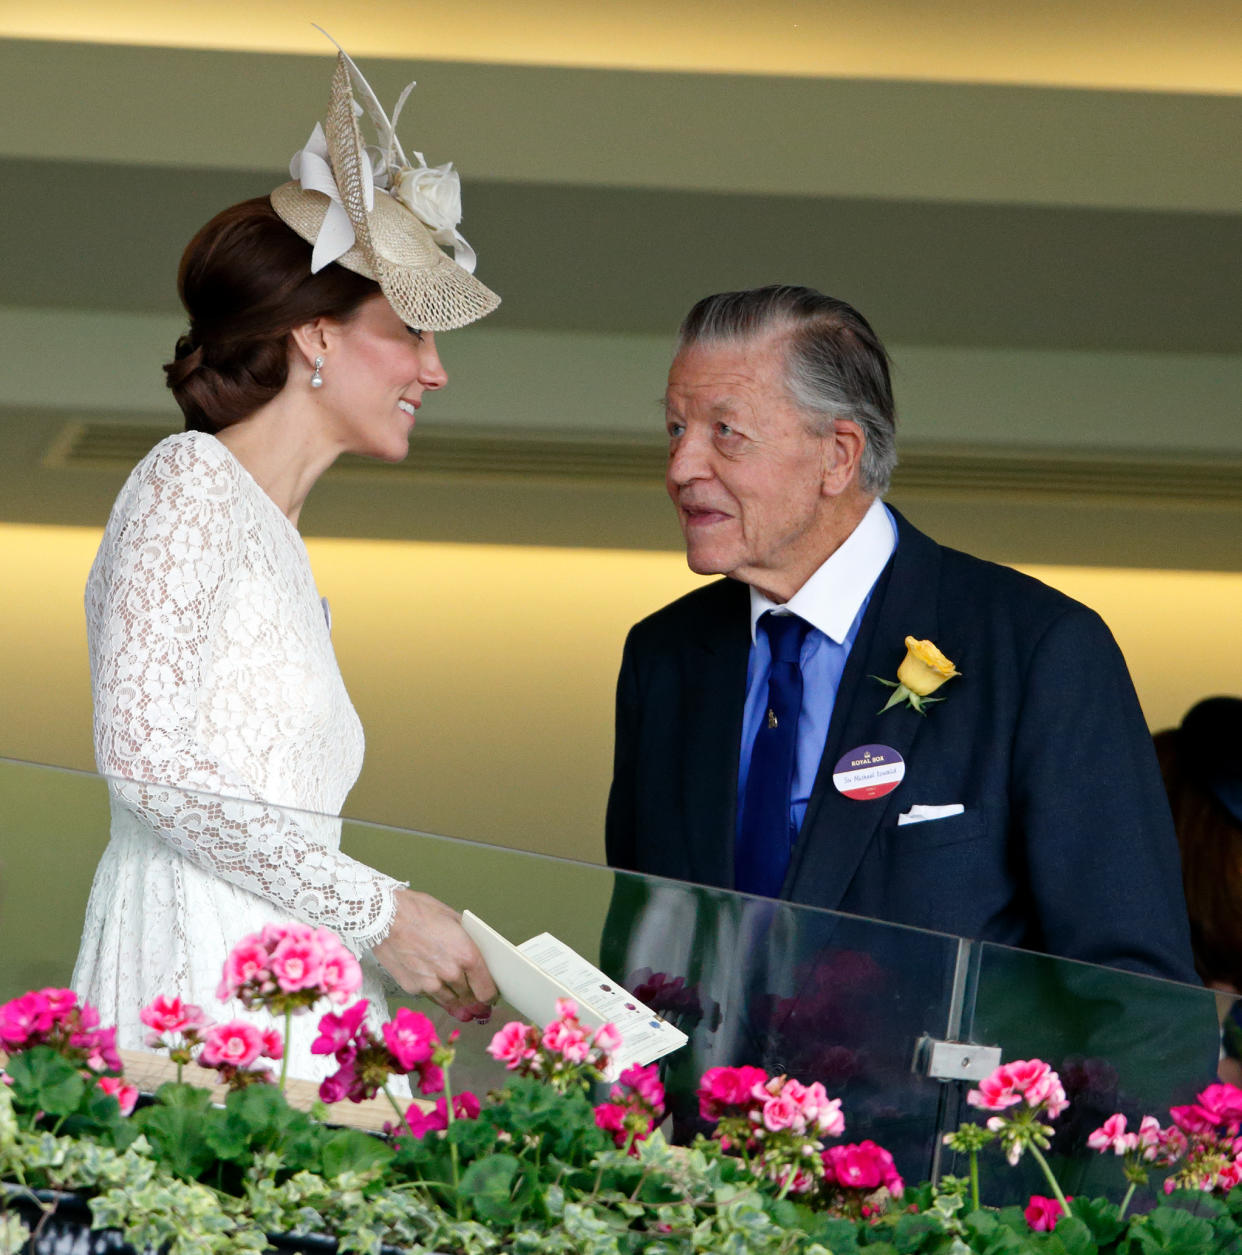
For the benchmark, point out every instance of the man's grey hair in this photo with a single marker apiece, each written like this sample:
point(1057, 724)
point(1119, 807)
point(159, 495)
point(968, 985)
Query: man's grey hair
point(835, 365)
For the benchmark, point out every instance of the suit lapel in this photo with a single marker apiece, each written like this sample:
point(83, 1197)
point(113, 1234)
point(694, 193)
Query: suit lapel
point(837, 830)
point(715, 689)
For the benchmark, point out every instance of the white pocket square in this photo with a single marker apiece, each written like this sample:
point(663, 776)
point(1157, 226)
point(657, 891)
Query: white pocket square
point(921, 814)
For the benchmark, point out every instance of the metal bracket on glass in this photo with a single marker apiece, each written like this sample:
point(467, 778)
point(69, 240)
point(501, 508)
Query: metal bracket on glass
point(955, 1060)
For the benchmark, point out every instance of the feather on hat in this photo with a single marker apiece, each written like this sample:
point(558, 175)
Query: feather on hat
point(373, 212)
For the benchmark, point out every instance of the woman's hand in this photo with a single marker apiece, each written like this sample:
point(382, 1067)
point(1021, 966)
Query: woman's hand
point(428, 952)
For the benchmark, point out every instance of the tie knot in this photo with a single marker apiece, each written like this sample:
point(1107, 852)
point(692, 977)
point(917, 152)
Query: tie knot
point(786, 632)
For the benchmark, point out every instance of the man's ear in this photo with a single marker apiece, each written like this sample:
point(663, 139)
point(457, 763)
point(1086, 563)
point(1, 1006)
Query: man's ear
point(311, 339)
point(843, 450)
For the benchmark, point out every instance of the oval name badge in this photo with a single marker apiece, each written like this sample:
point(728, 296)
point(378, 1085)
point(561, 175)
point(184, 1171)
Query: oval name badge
point(869, 771)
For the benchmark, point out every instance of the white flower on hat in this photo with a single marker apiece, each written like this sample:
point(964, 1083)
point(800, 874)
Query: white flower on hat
point(433, 193)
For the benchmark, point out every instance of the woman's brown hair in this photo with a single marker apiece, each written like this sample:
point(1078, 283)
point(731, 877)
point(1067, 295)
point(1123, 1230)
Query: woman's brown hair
point(245, 281)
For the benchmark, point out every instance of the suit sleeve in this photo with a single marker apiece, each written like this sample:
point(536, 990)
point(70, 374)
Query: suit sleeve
point(621, 821)
point(1100, 851)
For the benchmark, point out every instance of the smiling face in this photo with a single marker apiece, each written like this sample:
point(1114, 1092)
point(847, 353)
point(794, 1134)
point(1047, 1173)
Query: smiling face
point(375, 372)
point(760, 498)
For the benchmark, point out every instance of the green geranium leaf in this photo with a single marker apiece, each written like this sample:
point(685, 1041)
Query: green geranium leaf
point(488, 1185)
point(991, 1234)
point(840, 1236)
point(1101, 1217)
point(230, 1139)
point(473, 1138)
point(172, 1094)
point(1171, 1231)
point(915, 1233)
point(1076, 1236)
point(1196, 1202)
point(1014, 1219)
point(178, 1135)
point(351, 1150)
point(44, 1080)
point(263, 1108)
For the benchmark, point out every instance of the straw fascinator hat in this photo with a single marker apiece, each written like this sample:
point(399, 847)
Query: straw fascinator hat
point(371, 211)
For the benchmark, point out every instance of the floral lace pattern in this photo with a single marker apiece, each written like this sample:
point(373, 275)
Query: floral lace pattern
point(218, 704)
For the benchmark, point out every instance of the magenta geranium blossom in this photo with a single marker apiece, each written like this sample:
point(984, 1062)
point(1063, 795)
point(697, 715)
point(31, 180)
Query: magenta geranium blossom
point(1043, 1213)
point(337, 1032)
point(411, 1037)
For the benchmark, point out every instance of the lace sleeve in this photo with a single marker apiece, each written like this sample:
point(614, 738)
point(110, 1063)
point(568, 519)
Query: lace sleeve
point(156, 604)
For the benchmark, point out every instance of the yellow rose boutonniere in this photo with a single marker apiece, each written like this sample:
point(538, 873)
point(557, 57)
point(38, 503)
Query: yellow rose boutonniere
point(923, 670)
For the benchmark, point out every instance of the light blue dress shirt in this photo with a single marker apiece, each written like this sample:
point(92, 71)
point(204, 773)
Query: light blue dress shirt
point(833, 601)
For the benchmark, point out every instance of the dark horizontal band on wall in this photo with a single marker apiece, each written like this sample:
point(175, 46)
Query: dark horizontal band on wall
point(925, 471)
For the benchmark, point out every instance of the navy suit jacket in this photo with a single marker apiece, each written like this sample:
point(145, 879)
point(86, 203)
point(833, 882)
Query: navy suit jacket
point(1065, 844)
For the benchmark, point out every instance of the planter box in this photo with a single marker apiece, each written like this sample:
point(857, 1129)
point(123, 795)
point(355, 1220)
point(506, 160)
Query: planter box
point(66, 1230)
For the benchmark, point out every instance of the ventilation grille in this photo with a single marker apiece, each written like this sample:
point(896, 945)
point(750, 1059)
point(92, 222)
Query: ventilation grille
point(927, 471)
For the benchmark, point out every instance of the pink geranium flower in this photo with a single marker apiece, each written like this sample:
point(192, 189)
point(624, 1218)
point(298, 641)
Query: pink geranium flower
point(1043, 1213)
point(26, 1020)
point(567, 1039)
point(411, 1037)
point(337, 1032)
point(1224, 1101)
point(171, 1015)
point(125, 1095)
point(296, 963)
point(289, 967)
point(722, 1088)
point(607, 1038)
point(1194, 1118)
point(635, 1106)
point(1112, 1135)
point(1025, 1080)
point(341, 973)
point(512, 1044)
point(420, 1122)
point(236, 1044)
point(645, 1082)
point(466, 1106)
point(61, 1001)
point(245, 964)
point(1150, 1137)
point(430, 1079)
point(99, 1046)
point(863, 1166)
point(781, 1112)
point(610, 1116)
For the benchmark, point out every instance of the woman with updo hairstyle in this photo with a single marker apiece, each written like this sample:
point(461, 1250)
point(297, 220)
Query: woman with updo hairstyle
point(221, 719)
point(245, 282)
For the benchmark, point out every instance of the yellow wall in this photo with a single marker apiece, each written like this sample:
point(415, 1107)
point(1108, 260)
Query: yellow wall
point(484, 674)
point(1191, 46)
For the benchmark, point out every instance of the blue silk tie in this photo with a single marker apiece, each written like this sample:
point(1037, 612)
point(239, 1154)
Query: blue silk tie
point(766, 838)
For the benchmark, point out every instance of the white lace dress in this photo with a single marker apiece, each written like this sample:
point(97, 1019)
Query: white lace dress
point(215, 682)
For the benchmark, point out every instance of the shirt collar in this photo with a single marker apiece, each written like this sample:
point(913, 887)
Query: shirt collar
point(831, 598)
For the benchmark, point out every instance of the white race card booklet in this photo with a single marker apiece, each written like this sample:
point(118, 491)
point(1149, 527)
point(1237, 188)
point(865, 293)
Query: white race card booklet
point(532, 976)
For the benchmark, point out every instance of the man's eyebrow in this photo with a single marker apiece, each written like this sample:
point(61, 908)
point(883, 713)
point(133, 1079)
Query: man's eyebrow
point(726, 405)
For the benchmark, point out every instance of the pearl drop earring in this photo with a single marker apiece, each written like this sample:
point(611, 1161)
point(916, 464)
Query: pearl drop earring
point(316, 380)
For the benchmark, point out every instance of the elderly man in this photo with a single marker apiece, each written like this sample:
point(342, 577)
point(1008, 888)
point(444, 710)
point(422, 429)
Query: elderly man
point(1000, 784)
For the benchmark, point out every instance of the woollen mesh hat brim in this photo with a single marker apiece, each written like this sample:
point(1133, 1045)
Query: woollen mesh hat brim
point(426, 288)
